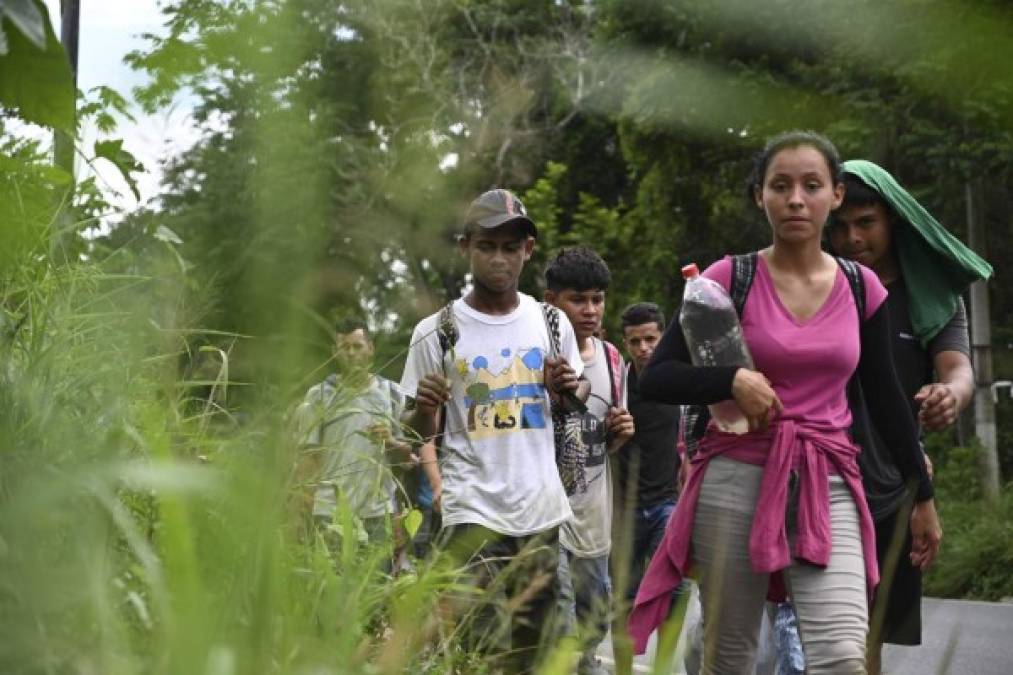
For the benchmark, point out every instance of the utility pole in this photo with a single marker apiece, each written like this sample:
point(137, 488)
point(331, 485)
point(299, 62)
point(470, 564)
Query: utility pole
point(70, 24)
point(981, 347)
point(64, 139)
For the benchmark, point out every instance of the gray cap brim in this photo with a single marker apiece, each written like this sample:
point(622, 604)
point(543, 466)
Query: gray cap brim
point(491, 222)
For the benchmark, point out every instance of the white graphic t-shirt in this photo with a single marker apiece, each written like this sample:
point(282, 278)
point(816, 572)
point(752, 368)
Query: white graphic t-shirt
point(498, 456)
point(589, 533)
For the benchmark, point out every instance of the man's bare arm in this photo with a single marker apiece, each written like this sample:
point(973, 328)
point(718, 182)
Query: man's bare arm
point(431, 470)
point(943, 400)
point(433, 391)
point(621, 428)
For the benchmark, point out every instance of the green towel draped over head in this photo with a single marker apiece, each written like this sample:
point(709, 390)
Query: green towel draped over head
point(936, 266)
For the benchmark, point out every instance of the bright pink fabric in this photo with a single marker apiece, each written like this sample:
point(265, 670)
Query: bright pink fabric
point(809, 364)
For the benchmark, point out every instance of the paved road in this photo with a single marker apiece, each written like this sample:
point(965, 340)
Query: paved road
point(960, 637)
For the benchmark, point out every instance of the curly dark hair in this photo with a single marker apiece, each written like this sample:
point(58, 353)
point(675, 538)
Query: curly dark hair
point(579, 269)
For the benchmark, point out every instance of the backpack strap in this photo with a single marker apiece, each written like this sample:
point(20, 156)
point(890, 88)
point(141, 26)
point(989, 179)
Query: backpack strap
point(551, 315)
point(394, 399)
point(857, 282)
point(614, 361)
point(743, 273)
point(693, 420)
point(570, 451)
point(861, 424)
point(446, 328)
point(446, 331)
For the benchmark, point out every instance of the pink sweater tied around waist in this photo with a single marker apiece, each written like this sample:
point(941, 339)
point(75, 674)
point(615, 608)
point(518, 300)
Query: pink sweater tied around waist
point(814, 452)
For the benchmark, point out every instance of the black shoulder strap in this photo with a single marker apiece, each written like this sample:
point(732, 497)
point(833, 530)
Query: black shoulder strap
point(743, 273)
point(861, 424)
point(693, 420)
point(857, 282)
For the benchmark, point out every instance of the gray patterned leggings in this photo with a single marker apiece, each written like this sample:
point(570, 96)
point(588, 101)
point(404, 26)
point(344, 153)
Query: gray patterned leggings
point(831, 603)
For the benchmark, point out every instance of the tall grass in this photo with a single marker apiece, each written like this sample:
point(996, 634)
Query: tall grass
point(150, 519)
point(146, 529)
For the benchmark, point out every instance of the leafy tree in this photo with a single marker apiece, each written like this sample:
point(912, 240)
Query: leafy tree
point(628, 126)
point(300, 161)
point(35, 77)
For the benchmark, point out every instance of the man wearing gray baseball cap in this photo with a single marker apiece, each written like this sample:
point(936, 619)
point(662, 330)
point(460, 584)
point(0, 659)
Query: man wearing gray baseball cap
point(499, 207)
point(490, 362)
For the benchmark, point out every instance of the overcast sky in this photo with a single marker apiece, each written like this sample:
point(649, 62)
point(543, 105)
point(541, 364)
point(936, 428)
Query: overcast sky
point(110, 29)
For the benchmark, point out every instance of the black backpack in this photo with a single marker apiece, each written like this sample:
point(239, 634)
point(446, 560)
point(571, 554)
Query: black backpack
point(694, 418)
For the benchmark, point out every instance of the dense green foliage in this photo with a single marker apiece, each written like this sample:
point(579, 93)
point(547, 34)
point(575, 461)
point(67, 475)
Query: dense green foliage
point(146, 517)
point(977, 551)
point(35, 78)
point(632, 122)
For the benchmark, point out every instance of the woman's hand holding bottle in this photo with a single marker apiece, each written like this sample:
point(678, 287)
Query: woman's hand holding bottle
point(755, 397)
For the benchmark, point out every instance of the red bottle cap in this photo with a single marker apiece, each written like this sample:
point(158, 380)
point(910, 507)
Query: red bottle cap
point(690, 271)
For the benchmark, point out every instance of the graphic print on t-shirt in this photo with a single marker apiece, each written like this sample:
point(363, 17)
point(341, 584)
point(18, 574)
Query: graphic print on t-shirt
point(592, 434)
point(503, 393)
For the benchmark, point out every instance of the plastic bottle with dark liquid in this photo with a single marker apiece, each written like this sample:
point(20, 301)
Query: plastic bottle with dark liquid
point(714, 337)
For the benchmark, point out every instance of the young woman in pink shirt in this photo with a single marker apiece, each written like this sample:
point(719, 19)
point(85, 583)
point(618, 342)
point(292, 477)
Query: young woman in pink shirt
point(782, 507)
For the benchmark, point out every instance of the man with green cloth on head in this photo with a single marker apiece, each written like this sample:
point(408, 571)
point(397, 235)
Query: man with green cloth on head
point(925, 269)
